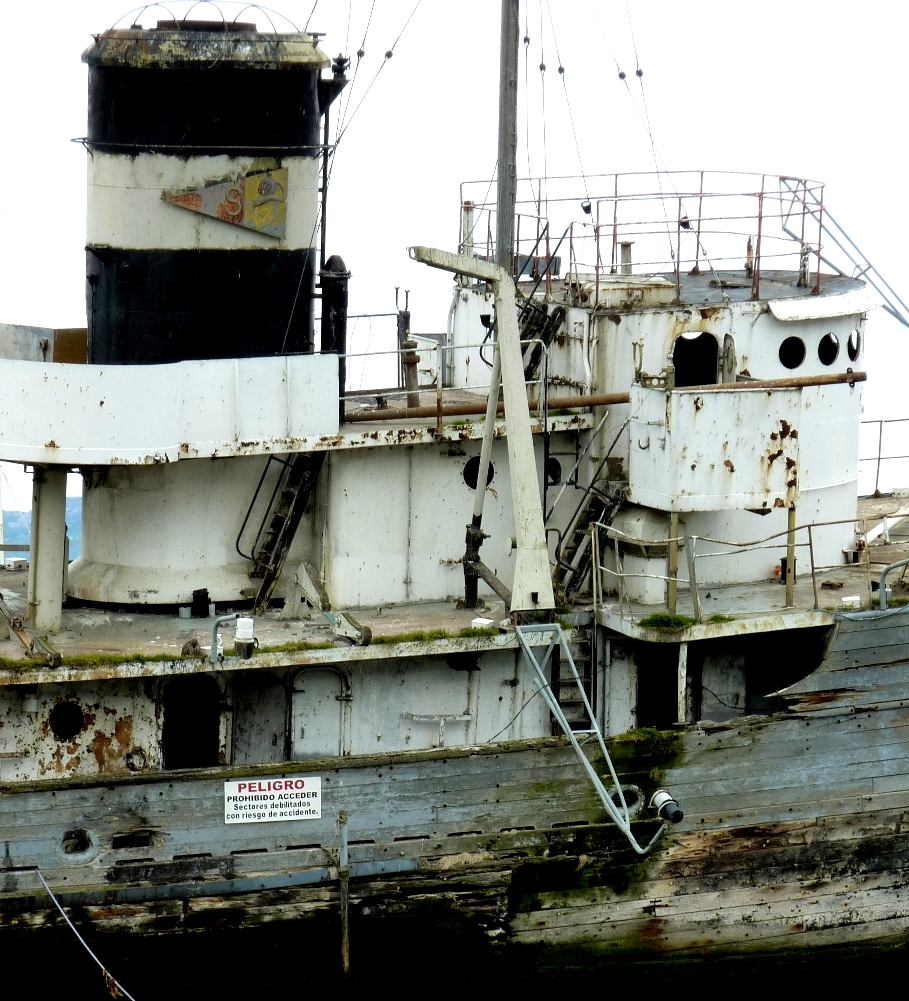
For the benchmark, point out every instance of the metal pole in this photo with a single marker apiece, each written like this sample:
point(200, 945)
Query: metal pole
point(324, 233)
point(880, 448)
point(817, 603)
point(672, 570)
point(506, 197)
point(690, 552)
point(790, 558)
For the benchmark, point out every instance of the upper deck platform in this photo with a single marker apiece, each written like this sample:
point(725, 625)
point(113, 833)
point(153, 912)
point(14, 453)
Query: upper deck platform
point(96, 643)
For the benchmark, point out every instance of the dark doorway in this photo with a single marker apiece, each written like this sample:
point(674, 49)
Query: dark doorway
point(190, 733)
point(658, 671)
point(695, 360)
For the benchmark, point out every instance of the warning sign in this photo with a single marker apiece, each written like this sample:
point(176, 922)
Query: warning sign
point(257, 801)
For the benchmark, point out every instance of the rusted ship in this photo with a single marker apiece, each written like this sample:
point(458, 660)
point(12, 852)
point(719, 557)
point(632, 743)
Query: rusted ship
point(335, 657)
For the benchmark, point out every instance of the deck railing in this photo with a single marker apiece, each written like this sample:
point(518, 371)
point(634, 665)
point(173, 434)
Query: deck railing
point(879, 456)
point(797, 538)
point(672, 223)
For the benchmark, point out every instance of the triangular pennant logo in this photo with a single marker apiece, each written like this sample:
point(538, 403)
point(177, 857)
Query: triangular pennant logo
point(257, 201)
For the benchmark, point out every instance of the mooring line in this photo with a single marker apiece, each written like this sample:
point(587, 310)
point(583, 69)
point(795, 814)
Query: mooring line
point(113, 985)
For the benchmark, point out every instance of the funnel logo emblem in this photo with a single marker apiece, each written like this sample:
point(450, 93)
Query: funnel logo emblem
point(257, 201)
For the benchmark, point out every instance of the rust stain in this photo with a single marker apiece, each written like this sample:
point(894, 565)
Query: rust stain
point(773, 456)
point(51, 444)
point(99, 746)
point(729, 465)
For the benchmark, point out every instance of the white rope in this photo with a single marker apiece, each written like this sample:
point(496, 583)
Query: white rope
point(114, 986)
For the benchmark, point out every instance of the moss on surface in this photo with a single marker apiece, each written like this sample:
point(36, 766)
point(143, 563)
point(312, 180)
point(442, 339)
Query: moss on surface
point(297, 645)
point(666, 622)
point(478, 631)
point(424, 636)
point(721, 618)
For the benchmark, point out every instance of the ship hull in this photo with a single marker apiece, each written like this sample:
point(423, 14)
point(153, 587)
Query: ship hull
point(796, 836)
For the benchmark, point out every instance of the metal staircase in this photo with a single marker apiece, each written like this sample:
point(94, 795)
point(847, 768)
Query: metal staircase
point(290, 495)
point(798, 199)
point(552, 637)
point(601, 503)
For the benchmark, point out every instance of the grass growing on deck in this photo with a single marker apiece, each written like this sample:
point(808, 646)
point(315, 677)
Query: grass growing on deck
point(667, 623)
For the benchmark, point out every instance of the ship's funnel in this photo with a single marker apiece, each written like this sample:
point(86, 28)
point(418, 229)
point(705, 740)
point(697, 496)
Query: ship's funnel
point(203, 188)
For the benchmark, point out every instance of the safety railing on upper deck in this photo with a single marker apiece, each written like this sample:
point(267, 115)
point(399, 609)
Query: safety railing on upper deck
point(797, 541)
point(672, 224)
point(885, 431)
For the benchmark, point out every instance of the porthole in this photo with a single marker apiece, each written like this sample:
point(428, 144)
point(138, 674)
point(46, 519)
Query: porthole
point(472, 471)
point(854, 345)
point(78, 846)
point(828, 349)
point(66, 720)
point(76, 842)
point(792, 352)
point(634, 799)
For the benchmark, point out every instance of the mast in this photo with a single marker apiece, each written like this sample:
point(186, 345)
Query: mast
point(506, 193)
point(506, 197)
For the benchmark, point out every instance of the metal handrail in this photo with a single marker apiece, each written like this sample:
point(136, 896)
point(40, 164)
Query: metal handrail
point(691, 543)
point(781, 216)
point(879, 458)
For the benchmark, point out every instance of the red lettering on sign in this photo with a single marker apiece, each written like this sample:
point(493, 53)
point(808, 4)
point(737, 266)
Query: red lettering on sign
point(299, 784)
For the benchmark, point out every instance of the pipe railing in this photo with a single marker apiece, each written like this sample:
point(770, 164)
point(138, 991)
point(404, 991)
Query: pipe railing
point(678, 220)
point(880, 457)
point(690, 543)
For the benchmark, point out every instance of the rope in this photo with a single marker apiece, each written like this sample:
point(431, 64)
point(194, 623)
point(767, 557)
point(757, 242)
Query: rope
point(306, 26)
point(115, 988)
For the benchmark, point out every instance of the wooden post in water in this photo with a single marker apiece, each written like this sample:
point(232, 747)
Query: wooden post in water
point(344, 877)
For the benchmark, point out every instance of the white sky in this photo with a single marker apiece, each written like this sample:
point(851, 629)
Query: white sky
point(799, 87)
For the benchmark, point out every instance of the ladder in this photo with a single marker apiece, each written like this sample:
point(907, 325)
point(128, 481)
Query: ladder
point(551, 636)
point(288, 501)
point(600, 504)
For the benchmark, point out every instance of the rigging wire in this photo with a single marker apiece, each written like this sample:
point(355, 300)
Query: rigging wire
point(574, 131)
point(527, 88)
point(514, 720)
point(543, 115)
point(306, 26)
point(644, 115)
point(361, 52)
point(639, 73)
point(388, 54)
point(342, 128)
